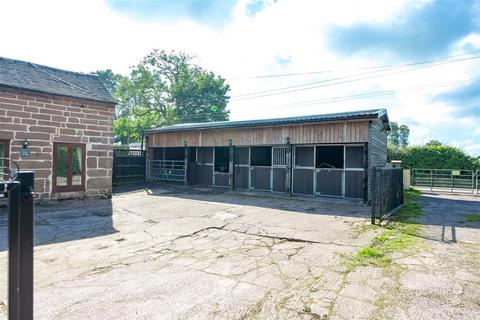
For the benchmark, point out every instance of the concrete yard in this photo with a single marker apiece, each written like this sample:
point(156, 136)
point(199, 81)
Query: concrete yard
point(174, 253)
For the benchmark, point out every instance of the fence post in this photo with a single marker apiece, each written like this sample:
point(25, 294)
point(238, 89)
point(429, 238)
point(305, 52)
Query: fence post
point(185, 182)
point(431, 179)
point(231, 168)
point(373, 199)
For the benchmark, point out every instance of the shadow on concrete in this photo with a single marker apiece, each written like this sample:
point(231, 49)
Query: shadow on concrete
point(305, 204)
point(445, 214)
point(66, 220)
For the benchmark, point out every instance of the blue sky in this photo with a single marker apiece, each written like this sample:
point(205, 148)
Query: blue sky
point(304, 41)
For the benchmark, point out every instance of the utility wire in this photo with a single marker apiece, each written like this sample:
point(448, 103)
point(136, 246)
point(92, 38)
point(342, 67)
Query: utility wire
point(371, 94)
point(335, 81)
point(350, 69)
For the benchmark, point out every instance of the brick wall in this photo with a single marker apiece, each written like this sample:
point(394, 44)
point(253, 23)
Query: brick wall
point(44, 119)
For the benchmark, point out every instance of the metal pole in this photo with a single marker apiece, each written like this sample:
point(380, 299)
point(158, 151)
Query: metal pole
point(27, 222)
point(431, 179)
point(13, 189)
point(20, 246)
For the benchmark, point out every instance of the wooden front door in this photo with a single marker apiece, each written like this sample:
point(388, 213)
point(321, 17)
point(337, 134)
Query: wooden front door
point(68, 167)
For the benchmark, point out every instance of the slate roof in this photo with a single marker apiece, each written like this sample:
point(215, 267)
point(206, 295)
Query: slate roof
point(366, 114)
point(34, 77)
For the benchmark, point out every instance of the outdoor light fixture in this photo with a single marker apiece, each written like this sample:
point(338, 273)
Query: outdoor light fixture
point(25, 143)
point(185, 143)
point(230, 141)
point(287, 140)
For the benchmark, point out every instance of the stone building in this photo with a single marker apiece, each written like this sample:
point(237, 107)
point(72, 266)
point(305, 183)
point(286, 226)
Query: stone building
point(59, 124)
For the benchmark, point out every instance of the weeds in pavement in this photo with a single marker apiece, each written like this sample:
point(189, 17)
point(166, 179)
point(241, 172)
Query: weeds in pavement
point(400, 234)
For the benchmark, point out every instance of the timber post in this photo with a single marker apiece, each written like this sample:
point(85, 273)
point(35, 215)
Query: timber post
point(231, 171)
point(288, 162)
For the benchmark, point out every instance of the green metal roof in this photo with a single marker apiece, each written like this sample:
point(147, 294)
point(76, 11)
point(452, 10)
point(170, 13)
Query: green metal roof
point(366, 114)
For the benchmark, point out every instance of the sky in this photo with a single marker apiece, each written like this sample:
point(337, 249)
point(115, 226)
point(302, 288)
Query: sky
point(419, 59)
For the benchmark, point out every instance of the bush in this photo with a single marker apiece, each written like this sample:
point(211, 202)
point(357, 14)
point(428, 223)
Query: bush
point(433, 156)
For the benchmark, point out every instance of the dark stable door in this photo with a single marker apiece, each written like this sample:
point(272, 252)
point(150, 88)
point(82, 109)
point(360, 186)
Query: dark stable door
point(69, 167)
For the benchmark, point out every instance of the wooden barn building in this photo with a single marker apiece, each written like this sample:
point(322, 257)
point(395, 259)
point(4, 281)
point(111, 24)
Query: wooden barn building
point(321, 155)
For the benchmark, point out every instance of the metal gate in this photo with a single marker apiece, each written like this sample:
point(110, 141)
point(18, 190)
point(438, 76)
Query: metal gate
point(128, 166)
point(167, 170)
point(387, 192)
point(446, 180)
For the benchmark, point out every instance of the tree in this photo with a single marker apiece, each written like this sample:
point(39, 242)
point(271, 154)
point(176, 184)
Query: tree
point(178, 90)
point(399, 135)
point(433, 143)
point(164, 89)
point(109, 79)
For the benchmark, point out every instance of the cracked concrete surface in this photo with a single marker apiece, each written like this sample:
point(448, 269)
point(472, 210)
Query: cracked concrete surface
point(171, 254)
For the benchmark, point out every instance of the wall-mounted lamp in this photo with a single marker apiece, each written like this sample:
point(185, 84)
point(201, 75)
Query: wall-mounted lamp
point(287, 140)
point(185, 143)
point(230, 141)
point(25, 143)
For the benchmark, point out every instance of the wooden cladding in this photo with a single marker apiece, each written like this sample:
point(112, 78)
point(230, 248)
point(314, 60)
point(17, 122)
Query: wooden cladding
point(330, 132)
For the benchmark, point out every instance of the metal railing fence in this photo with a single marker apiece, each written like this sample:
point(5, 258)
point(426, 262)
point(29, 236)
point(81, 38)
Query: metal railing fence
point(168, 170)
point(452, 180)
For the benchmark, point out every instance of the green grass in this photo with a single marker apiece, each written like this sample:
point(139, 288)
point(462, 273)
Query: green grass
point(399, 234)
point(472, 217)
point(368, 256)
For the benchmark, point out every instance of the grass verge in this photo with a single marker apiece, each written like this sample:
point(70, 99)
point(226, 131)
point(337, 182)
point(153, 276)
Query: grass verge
point(399, 235)
point(472, 217)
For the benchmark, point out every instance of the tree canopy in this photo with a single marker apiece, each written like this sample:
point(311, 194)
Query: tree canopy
point(399, 134)
point(163, 89)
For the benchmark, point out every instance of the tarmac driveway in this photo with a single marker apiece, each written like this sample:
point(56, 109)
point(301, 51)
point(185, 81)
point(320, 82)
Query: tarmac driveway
point(177, 254)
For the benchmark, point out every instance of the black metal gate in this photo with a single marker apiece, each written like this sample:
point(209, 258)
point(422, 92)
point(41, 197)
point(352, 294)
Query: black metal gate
point(387, 192)
point(128, 166)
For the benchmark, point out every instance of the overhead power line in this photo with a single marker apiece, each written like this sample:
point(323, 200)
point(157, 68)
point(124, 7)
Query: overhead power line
point(339, 80)
point(280, 75)
point(359, 96)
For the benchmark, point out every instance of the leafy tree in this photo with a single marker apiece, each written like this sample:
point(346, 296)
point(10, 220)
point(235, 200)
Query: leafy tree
point(164, 89)
point(433, 143)
point(178, 90)
point(399, 135)
point(109, 79)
